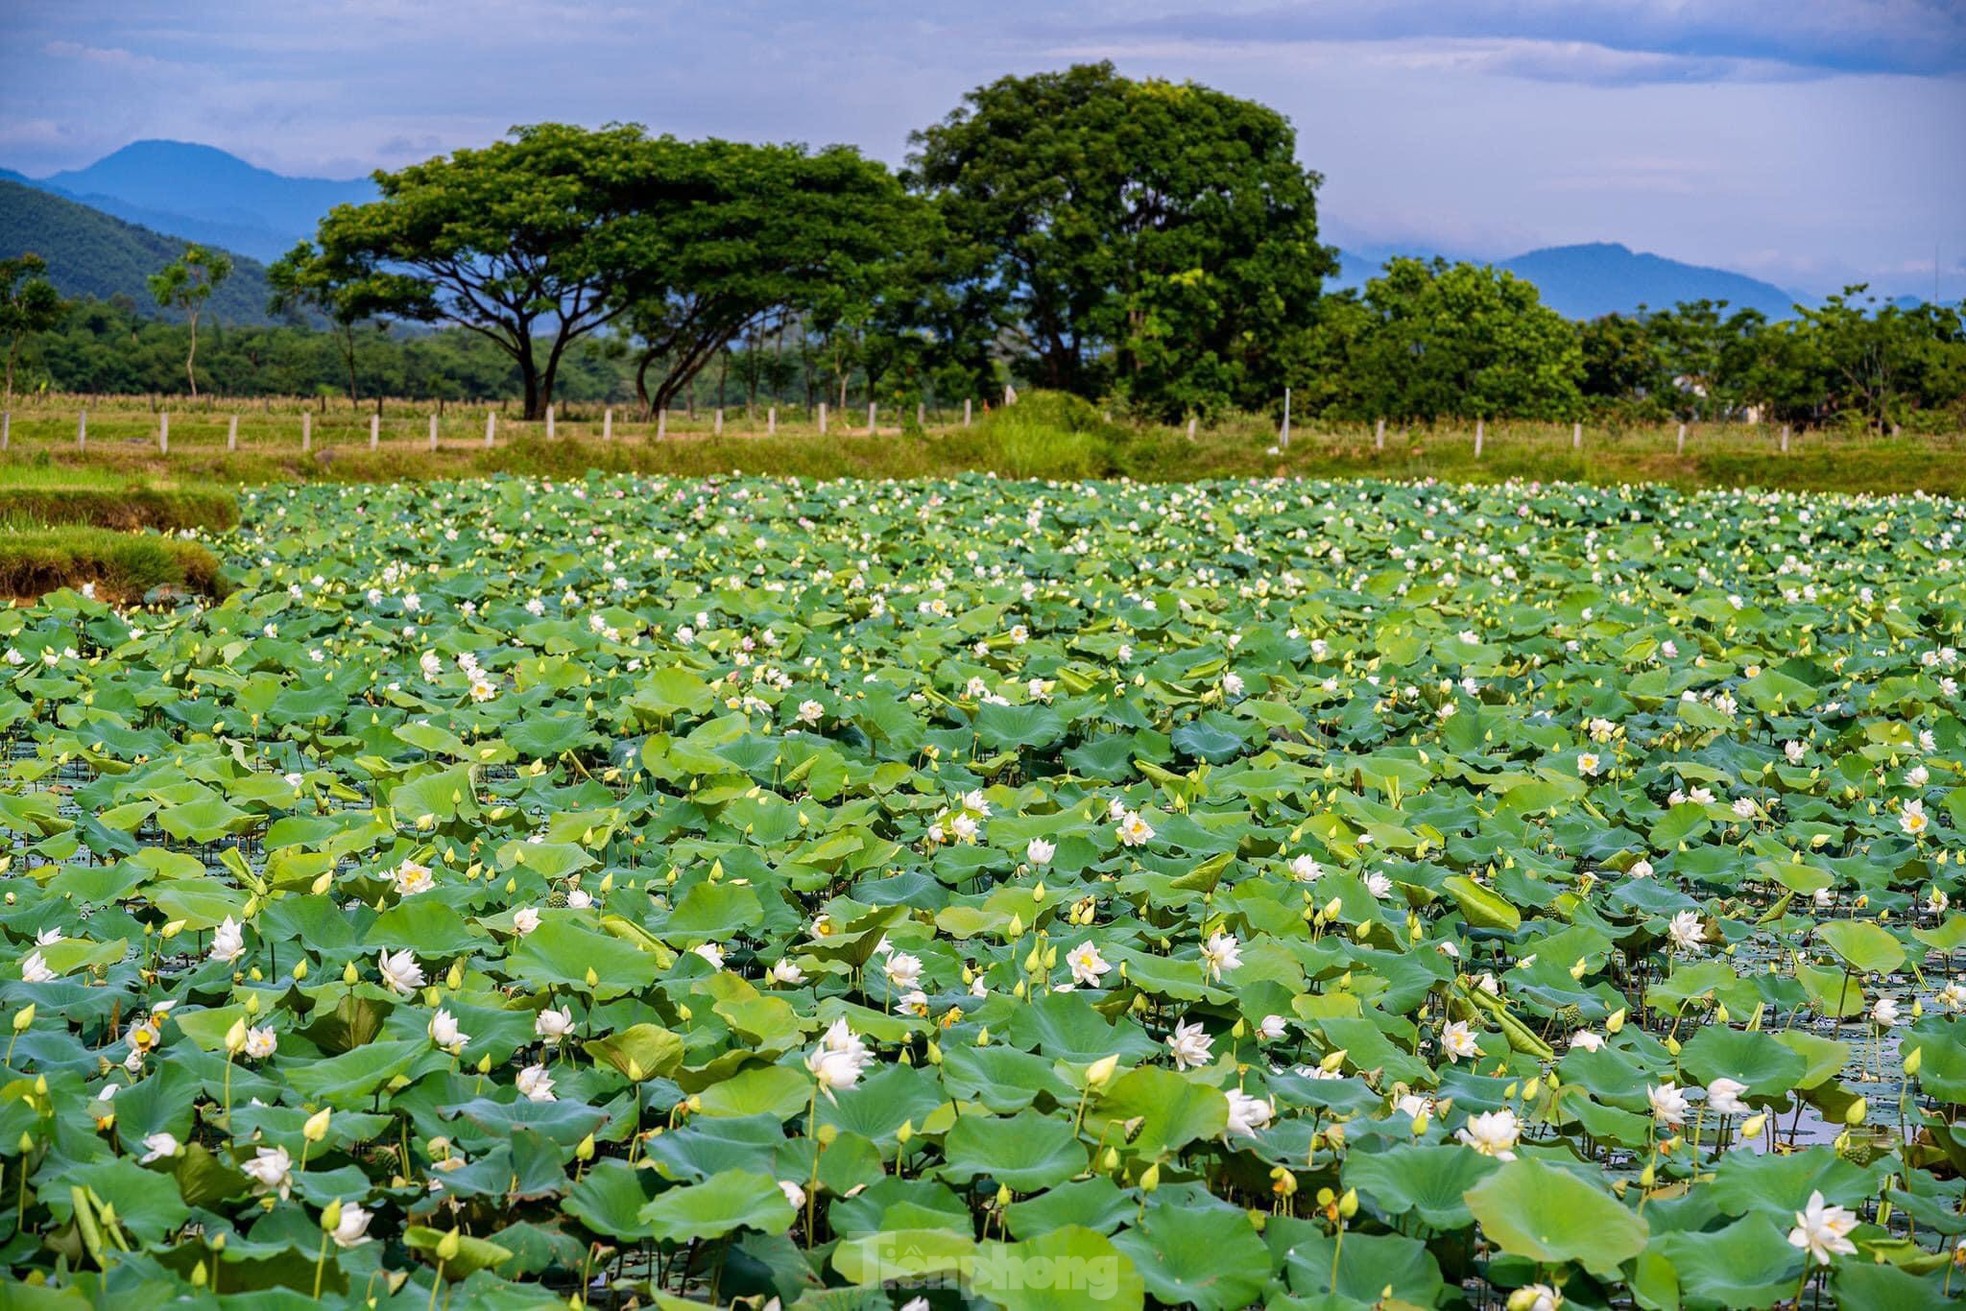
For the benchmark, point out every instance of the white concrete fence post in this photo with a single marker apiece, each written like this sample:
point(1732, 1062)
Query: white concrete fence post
point(1481, 431)
point(717, 423)
point(966, 403)
point(232, 433)
point(6, 430)
point(82, 432)
point(822, 418)
point(607, 424)
point(375, 432)
point(1283, 441)
point(306, 432)
point(164, 433)
point(491, 428)
point(1785, 439)
point(1679, 446)
point(1379, 436)
point(1576, 436)
point(433, 432)
point(549, 423)
point(1191, 427)
point(662, 423)
point(870, 417)
point(771, 421)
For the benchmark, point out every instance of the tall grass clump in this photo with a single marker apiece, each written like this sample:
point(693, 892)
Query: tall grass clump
point(122, 566)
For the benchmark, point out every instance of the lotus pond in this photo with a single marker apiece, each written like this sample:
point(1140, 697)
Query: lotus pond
point(657, 892)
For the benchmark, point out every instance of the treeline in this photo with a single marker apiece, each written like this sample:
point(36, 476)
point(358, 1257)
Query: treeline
point(1149, 245)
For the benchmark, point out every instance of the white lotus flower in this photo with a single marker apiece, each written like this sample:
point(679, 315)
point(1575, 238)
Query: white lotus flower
point(1087, 965)
point(904, 971)
point(1271, 1028)
point(271, 1171)
point(550, 1025)
point(1884, 1012)
point(794, 1193)
point(400, 971)
point(1135, 831)
point(261, 1042)
point(787, 971)
point(228, 942)
point(1795, 751)
point(1724, 1096)
point(534, 1084)
point(353, 1228)
point(1190, 1045)
point(1668, 1104)
point(1221, 953)
point(158, 1147)
point(1040, 852)
point(525, 920)
point(1248, 1114)
point(1822, 1230)
point(709, 951)
point(1686, 931)
point(1305, 870)
point(1585, 1040)
point(34, 969)
point(1458, 1041)
point(1912, 818)
point(445, 1033)
point(412, 878)
point(1493, 1133)
point(1641, 869)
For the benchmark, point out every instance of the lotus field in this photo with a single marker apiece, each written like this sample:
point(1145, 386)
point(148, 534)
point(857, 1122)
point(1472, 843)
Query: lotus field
point(640, 892)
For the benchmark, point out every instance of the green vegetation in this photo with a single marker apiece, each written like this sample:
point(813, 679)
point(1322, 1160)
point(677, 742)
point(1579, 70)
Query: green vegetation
point(185, 284)
point(118, 566)
point(93, 256)
point(1245, 893)
point(126, 508)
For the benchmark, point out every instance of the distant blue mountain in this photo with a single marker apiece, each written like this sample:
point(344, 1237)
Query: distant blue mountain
point(205, 194)
point(1585, 282)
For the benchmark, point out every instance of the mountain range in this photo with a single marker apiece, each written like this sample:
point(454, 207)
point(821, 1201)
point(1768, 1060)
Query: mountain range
point(200, 193)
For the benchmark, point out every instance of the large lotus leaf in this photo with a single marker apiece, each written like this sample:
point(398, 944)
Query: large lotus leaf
point(1548, 1214)
point(1067, 1269)
point(1172, 1111)
point(735, 1199)
point(1747, 1264)
point(1864, 946)
point(640, 1051)
point(1367, 1266)
point(1024, 1152)
point(1430, 1181)
point(564, 954)
point(609, 1198)
point(1777, 1184)
point(1208, 1257)
point(1756, 1059)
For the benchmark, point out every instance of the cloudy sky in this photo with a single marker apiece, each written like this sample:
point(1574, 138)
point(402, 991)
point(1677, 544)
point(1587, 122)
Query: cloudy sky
point(1806, 141)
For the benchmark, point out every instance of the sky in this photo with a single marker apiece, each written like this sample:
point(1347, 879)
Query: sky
point(1809, 142)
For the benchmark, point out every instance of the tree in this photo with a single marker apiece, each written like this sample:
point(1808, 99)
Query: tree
point(734, 237)
point(29, 304)
point(344, 292)
point(1155, 238)
point(1708, 355)
point(1436, 340)
point(1624, 368)
point(526, 238)
point(186, 283)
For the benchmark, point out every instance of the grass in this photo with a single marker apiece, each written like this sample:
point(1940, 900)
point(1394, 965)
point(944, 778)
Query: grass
point(1041, 437)
point(124, 567)
point(129, 508)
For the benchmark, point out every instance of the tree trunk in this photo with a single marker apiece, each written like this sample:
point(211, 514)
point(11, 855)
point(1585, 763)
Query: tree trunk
point(191, 360)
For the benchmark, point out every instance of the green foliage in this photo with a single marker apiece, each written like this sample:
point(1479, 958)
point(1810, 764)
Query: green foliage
point(121, 566)
point(1155, 239)
point(185, 284)
point(29, 304)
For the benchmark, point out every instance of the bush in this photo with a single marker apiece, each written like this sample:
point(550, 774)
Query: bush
point(123, 566)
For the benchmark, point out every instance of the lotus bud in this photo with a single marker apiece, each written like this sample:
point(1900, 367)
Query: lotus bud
point(1100, 1072)
point(1616, 1022)
point(331, 1216)
point(316, 1127)
point(511, 886)
point(685, 1014)
point(252, 1003)
point(23, 1017)
point(1150, 1178)
point(1672, 1045)
point(348, 974)
point(1015, 930)
point(300, 970)
point(1420, 1123)
point(1912, 1062)
point(1037, 893)
point(1238, 1029)
point(1361, 931)
point(905, 1132)
point(1003, 1195)
point(449, 1246)
point(1856, 1113)
point(1752, 1126)
point(172, 929)
point(585, 1151)
point(1050, 957)
point(1034, 961)
point(1020, 990)
point(1348, 1204)
point(1283, 1182)
point(454, 977)
point(1720, 1015)
point(635, 1072)
point(1509, 1092)
point(1917, 1008)
point(26, 1143)
point(1531, 1090)
point(1333, 908)
point(1581, 968)
point(1333, 1060)
point(1647, 1176)
point(484, 1063)
point(198, 1276)
point(323, 883)
point(235, 1037)
point(593, 979)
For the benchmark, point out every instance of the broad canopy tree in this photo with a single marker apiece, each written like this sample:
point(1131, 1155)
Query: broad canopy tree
point(1153, 239)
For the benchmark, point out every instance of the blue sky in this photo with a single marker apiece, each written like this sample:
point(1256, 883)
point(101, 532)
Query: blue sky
point(1806, 141)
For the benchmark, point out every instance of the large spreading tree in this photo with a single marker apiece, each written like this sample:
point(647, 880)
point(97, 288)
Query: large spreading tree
point(526, 242)
point(1154, 239)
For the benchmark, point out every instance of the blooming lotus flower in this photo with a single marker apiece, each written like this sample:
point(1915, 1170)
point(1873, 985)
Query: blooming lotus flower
point(1686, 931)
point(228, 942)
point(1271, 1028)
point(1668, 1104)
point(710, 952)
point(788, 972)
point(833, 1069)
point(1884, 1012)
point(1248, 1114)
point(158, 1147)
point(271, 1171)
point(445, 1033)
point(353, 1228)
point(412, 878)
point(1087, 965)
point(1912, 818)
point(1641, 869)
point(904, 971)
point(1795, 751)
point(1306, 870)
point(550, 1025)
point(1724, 1096)
point(400, 971)
point(811, 712)
point(534, 1084)
point(1493, 1133)
point(1822, 1230)
point(34, 969)
point(794, 1193)
point(261, 1042)
point(524, 920)
point(1221, 953)
point(1040, 852)
point(1191, 1046)
point(1458, 1041)
point(1585, 1040)
point(1134, 831)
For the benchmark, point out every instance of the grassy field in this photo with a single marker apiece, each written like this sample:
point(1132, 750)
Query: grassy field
point(1036, 439)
